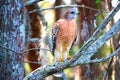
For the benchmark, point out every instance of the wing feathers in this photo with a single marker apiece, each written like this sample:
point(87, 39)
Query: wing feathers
point(54, 34)
point(73, 42)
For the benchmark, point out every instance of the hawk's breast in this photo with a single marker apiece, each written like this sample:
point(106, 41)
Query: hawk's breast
point(66, 32)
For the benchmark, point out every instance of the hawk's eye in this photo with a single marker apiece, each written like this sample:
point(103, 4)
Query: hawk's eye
point(72, 12)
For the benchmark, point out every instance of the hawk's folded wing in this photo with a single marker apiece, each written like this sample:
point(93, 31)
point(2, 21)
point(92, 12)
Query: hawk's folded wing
point(54, 33)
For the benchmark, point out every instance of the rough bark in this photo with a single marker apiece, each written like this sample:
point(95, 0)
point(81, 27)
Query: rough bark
point(12, 39)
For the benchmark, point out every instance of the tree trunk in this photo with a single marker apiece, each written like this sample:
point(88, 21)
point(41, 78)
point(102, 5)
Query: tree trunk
point(12, 39)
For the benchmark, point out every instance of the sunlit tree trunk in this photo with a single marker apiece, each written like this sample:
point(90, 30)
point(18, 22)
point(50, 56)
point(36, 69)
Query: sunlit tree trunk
point(12, 39)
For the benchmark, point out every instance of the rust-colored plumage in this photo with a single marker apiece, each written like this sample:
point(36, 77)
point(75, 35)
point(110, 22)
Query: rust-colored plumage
point(64, 34)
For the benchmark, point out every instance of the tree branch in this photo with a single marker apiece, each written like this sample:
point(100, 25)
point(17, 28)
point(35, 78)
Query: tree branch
point(104, 59)
point(27, 50)
point(87, 54)
point(45, 28)
point(33, 62)
point(63, 6)
point(30, 2)
point(41, 15)
point(101, 27)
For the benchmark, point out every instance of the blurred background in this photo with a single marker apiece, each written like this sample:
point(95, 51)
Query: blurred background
point(87, 22)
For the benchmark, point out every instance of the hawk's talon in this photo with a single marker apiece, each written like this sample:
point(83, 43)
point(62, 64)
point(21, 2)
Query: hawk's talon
point(69, 57)
point(60, 60)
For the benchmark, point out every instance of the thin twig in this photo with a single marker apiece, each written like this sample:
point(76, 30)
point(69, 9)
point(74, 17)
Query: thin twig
point(36, 49)
point(63, 6)
point(104, 59)
point(34, 40)
point(24, 50)
point(30, 2)
point(33, 62)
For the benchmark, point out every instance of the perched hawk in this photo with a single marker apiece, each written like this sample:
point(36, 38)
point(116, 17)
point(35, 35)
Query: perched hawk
point(63, 35)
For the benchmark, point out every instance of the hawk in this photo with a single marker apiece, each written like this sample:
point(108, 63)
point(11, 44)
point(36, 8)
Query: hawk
point(64, 34)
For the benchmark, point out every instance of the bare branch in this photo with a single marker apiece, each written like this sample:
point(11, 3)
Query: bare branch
point(103, 59)
point(45, 38)
point(97, 44)
point(33, 62)
point(106, 20)
point(31, 2)
point(101, 27)
point(45, 41)
point(34, 40)
point(63, 6)
point(36, 49)
point(41, 15)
